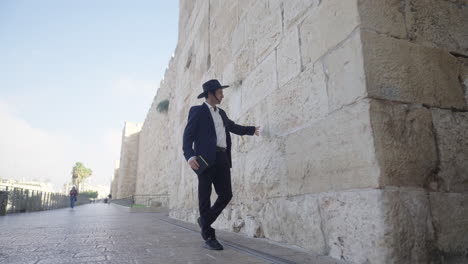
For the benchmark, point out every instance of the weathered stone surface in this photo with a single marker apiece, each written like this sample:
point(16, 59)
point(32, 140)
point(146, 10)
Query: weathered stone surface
point(258, 115)
point(299, 103)
point(294, 220)
point(463, 77)
point(253, 227)
point(402, 71)
point(377, 226)
point(383, 16)
point(264, 26)
point(128, 160)
point(294, 12)
point(222, 22)
point(233, 97)
point(438, 23)
point(404, 143)
point(450, 218)
point(430, 23)
point(243, 51)
point(344, 67)
point(264, 175)
point(151, 162)
point(259, 83)
point(186, 9)
point(336, 153)
point(326, 26)
point(288, 57)
point(451, 129)
point(192, 55)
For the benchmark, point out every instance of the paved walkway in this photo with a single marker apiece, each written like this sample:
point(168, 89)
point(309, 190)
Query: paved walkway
point(101, 233)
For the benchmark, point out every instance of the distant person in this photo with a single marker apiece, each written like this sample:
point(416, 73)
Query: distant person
point(109, 197)
point(209, 128)
point(73, 195)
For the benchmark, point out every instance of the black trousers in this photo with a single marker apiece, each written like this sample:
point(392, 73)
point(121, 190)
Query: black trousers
point(218, 175)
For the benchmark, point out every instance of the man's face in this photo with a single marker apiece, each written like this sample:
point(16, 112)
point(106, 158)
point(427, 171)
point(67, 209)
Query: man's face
point(219, 94)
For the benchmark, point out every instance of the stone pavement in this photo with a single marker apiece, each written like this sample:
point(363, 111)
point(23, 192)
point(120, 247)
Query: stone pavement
point(101, 233)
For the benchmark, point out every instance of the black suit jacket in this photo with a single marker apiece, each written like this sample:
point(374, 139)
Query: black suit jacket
point(200, 130)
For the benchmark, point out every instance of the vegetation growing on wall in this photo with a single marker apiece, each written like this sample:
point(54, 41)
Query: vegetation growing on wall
point(163, 106)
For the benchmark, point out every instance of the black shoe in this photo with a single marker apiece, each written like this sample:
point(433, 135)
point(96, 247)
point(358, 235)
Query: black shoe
point(204, 236)
point(213, 244)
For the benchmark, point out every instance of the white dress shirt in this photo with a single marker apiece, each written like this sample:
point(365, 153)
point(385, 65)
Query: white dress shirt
point(219, 127)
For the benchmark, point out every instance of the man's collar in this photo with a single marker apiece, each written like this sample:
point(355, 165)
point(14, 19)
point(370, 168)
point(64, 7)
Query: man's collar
point(210, 106)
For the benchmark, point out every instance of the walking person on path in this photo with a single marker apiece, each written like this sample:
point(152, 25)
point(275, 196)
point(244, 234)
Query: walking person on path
point(109, 197)
point(209, 128)
point(73, 195)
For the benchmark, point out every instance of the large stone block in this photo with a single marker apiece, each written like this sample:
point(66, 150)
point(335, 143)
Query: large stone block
point(404, 143)
point(401, 71)
point(288, 57)
point(244, 62)
point(128, 160)
point(336, 153)
point(295, 11)
point(377, 226)
point(222, 23)
point(383, 16)
point(242, 51)
point(299, 103)
point(194, 25)
point(254, 116)
point(264, 26)
point(344, 67)
point(260, 82)
point(450, 218)
point(265, 171)
point(232, 95)
point(431, 23)
point(326, 26)
point(294, 220)
point(185, 13)
point(451, 129)
point(437, 23)
point(239, 189)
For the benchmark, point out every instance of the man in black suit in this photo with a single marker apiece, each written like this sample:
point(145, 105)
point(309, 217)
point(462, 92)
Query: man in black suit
point(208, 134)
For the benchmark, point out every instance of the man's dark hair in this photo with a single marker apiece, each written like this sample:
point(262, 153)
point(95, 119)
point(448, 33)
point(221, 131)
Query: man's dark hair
point(210, 92)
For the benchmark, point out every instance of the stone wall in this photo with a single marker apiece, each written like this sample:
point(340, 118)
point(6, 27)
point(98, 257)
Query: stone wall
point(125, 177)
point(414, 55)
point(363, 108)
point(114, 182)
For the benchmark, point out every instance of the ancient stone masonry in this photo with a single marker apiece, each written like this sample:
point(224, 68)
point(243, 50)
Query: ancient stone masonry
point(124, 182)
point(363, 108)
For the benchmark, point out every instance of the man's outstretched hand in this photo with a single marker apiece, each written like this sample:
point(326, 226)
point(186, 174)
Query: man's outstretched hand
point(193, 163)
point(257, 131)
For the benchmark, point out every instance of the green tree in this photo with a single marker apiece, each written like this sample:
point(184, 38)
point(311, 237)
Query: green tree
point(80, 173)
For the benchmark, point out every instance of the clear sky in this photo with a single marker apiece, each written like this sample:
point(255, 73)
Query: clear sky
point(71, 73)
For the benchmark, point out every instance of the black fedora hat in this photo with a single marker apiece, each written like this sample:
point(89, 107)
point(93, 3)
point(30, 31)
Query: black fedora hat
point(211, 85)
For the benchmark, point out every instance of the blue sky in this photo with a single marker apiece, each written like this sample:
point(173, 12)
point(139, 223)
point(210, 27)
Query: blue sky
point(71, 73)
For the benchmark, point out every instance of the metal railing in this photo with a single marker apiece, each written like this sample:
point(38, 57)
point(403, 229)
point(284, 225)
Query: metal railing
point(146, 200)
point(20, 200)
point(152, 200)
